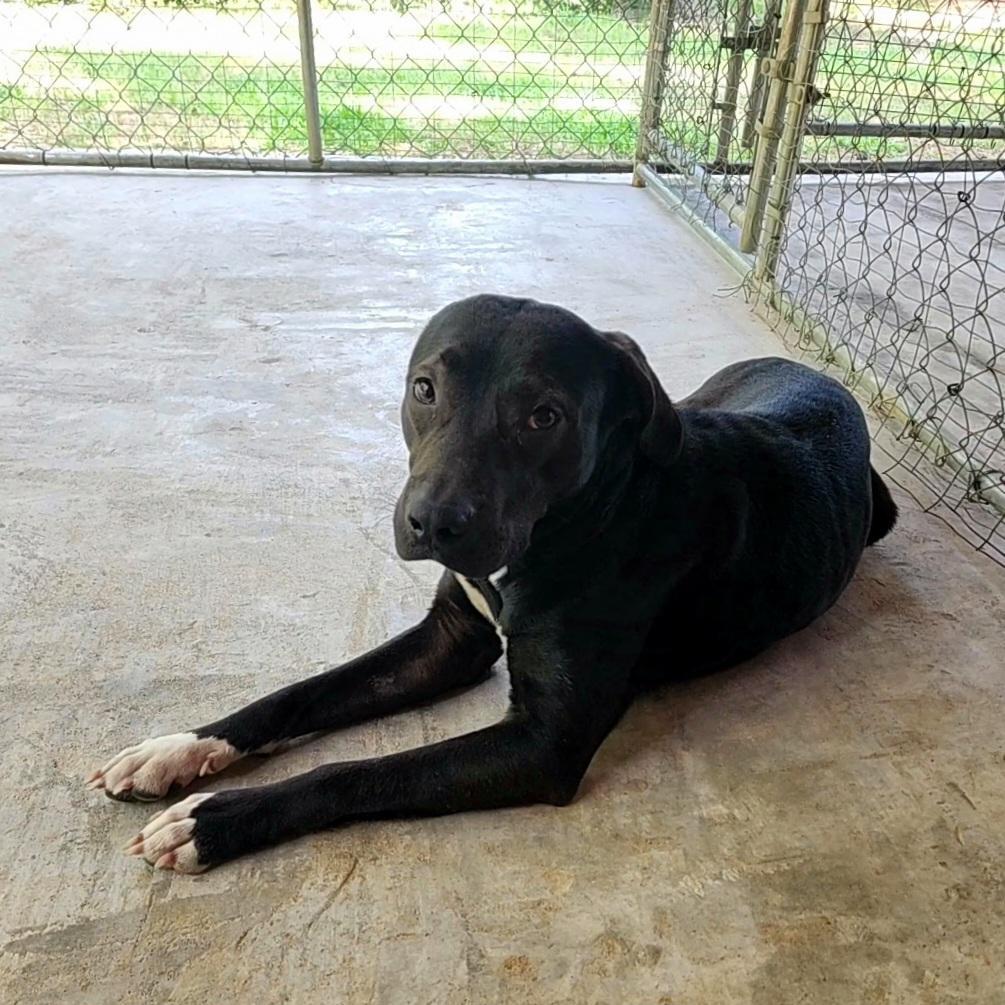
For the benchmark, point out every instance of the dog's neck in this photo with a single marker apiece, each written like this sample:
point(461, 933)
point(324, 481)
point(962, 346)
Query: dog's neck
point(575, 527)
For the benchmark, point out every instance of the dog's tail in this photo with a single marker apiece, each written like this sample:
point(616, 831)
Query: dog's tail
point(884, 509)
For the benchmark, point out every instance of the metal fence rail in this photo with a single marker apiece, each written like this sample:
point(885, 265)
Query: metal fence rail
point(385, 79)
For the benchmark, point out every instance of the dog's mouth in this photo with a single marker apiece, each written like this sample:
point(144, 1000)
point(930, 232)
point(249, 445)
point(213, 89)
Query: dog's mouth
point(476, 564)
point(485, 552)
point(476, 570)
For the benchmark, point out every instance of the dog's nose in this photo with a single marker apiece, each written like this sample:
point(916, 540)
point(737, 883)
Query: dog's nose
point(440, 524)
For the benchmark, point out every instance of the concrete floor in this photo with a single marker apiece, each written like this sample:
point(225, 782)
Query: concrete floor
point(199, 382)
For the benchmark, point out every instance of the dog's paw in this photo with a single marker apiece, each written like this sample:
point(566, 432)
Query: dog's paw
point(168, 841)
point(209, 828)
point(149, 769)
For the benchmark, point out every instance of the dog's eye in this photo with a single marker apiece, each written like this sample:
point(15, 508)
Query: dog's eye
point(423, 391)
point(542, 417)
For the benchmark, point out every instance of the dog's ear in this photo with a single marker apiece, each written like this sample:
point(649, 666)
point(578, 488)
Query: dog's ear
point(662, 436)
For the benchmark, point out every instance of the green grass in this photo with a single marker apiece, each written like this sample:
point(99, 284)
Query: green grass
point(886, 82)
point(219, 104)
point(590, 36)
point(504, 105)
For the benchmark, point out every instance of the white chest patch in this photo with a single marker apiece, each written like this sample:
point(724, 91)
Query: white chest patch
point(478, 602)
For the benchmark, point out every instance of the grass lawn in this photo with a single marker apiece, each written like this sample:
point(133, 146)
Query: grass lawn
point(558, 86)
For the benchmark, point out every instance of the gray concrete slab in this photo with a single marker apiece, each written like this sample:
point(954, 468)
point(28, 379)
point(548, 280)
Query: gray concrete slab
point(199, 381)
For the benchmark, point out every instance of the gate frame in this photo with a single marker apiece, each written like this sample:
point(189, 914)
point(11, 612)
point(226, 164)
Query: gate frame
point(789, 72)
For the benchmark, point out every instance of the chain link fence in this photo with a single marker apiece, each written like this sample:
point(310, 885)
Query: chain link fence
point(113, 77)
point(894, 243)
point(399, 79)
point(706, 97)
point(853, 155)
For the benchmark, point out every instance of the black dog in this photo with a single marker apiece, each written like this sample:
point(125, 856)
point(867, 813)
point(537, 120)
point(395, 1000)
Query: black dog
point(608, 537)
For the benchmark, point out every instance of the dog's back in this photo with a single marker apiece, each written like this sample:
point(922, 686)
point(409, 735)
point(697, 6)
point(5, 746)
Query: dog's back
point(776, 489)
point(814, 407)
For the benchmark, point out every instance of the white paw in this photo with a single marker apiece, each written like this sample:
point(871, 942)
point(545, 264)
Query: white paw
point(147, 770)
point(166, 842)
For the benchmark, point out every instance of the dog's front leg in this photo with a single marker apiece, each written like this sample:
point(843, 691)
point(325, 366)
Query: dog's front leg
point(559, 714)
point(453, 646)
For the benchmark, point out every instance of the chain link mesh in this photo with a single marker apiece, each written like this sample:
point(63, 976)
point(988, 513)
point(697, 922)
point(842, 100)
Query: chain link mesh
point(710, 100)
point(395, 79)
point(895, 240)
point(131, 76)
point(891, 262)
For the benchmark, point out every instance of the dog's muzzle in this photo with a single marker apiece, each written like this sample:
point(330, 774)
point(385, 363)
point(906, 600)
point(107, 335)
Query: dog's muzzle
point(454, 532)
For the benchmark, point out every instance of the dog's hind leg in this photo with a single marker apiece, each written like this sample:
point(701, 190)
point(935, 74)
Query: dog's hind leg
point(453, 646)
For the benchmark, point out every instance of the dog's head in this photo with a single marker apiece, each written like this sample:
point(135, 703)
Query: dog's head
point(509, 405)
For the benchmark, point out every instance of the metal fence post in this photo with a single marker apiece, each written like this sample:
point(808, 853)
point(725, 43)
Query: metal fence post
point(755, 100)
point(660, 15)
point(734, 71)
point(779, 70)
point(798, 104)
point(309, 73)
